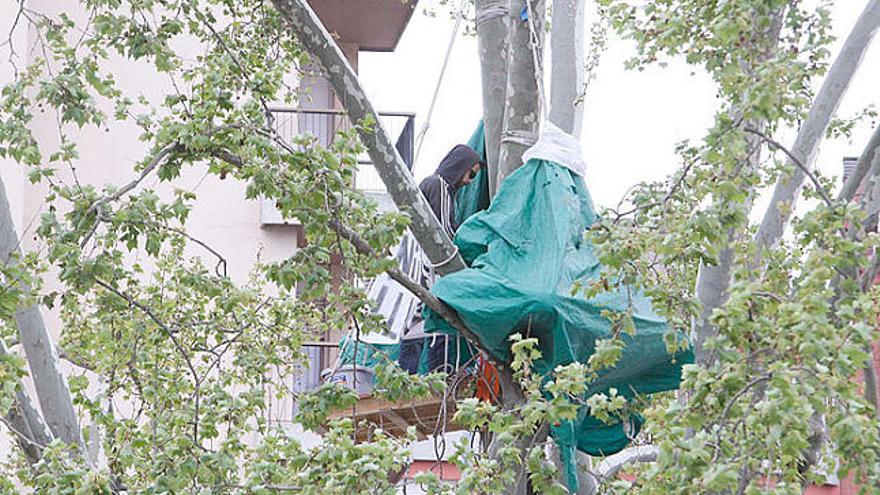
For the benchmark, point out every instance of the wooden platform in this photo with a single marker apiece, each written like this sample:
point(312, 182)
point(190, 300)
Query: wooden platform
point(395, 418)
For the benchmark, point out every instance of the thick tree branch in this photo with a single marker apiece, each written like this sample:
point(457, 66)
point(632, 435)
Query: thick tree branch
point(303, 21)
point(493, 21)
point(49, 381)
point(430, 300)
point(611, 465)
point(25, 422)
point(522, 108)
point(806, 145)
point(863, 165)
point(567, 71)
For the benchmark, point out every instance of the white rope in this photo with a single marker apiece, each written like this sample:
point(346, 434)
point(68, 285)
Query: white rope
point(447, 260)
point(524, 138)
point(424, 131)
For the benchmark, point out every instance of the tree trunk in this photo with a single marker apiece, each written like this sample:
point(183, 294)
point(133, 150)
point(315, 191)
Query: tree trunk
point(49, 382)
point(522, 108)
point(493, 22)
point(806, 144)
point(567, 71)
point(425, 227)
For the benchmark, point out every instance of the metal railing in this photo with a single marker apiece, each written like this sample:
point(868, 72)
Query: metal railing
point(323, 124)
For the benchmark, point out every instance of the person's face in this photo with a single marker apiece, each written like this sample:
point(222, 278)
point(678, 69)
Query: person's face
point(470, 174)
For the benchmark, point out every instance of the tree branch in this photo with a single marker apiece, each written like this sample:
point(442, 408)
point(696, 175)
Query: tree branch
point(522, 107)
point(49, 381)
point(806, 145)
point(25, 422)
point(567, 73)
point(425, 227)
point(493, 20)
point(611, 465)
point(863, 165)
point(803, 168)
point(430, 300)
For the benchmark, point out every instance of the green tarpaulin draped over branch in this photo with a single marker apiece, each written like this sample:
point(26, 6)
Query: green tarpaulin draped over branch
point(526, 252)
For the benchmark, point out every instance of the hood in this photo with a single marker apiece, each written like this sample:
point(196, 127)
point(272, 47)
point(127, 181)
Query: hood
point(456, 163)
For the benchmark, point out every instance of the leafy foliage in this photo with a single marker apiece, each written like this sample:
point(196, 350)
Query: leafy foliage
point(178, 361)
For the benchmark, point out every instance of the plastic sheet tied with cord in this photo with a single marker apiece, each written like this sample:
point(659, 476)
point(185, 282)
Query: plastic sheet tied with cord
point(525, 253)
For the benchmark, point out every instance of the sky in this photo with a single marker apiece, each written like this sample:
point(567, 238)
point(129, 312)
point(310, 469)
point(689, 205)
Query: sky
point(632, 119)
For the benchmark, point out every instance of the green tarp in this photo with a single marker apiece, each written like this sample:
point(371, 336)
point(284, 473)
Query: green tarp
point(474, 197)
point(525, 253)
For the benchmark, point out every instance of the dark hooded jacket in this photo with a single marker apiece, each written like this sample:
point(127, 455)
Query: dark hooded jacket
point(439, 189)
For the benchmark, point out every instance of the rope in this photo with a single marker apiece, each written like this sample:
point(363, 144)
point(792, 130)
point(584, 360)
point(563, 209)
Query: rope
point(421, 137)
point(515, 136)
point(491, 11)
point(447, 260)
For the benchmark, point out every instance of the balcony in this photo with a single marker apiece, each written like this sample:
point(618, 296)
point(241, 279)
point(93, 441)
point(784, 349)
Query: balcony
point(324, 124)
point(371, 25)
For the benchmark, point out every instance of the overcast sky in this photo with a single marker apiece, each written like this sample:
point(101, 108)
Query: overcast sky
point(632, 119)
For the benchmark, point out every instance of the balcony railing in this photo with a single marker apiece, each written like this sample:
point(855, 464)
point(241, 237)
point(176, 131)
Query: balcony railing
point(324, 123)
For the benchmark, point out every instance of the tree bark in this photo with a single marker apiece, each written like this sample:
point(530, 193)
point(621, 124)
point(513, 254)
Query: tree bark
point(425, 227)
point(522, 108)
point(806, 144)
point(49, 382)
point(492, 23)
point(567, 70)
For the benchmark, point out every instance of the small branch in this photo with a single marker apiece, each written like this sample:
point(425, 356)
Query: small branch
point(63, 354)
point(155, 162)
point(742, 392)
point(97, 205)
point(220, 267)
point(168, 331)
point(678, 182)
point(430, 300)
point(20, 435)
point(776, 144)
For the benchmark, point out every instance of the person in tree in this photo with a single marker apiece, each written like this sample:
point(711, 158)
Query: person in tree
point(457, 169)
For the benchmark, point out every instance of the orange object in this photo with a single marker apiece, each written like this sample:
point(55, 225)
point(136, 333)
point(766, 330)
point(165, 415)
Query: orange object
point(488, 386)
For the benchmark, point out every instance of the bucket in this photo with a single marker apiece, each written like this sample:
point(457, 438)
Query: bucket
point(345, 376)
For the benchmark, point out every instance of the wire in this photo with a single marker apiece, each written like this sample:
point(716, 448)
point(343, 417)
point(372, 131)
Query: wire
point(424, 131)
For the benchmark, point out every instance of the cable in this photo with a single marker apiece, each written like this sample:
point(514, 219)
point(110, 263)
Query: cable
point(422, 133)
